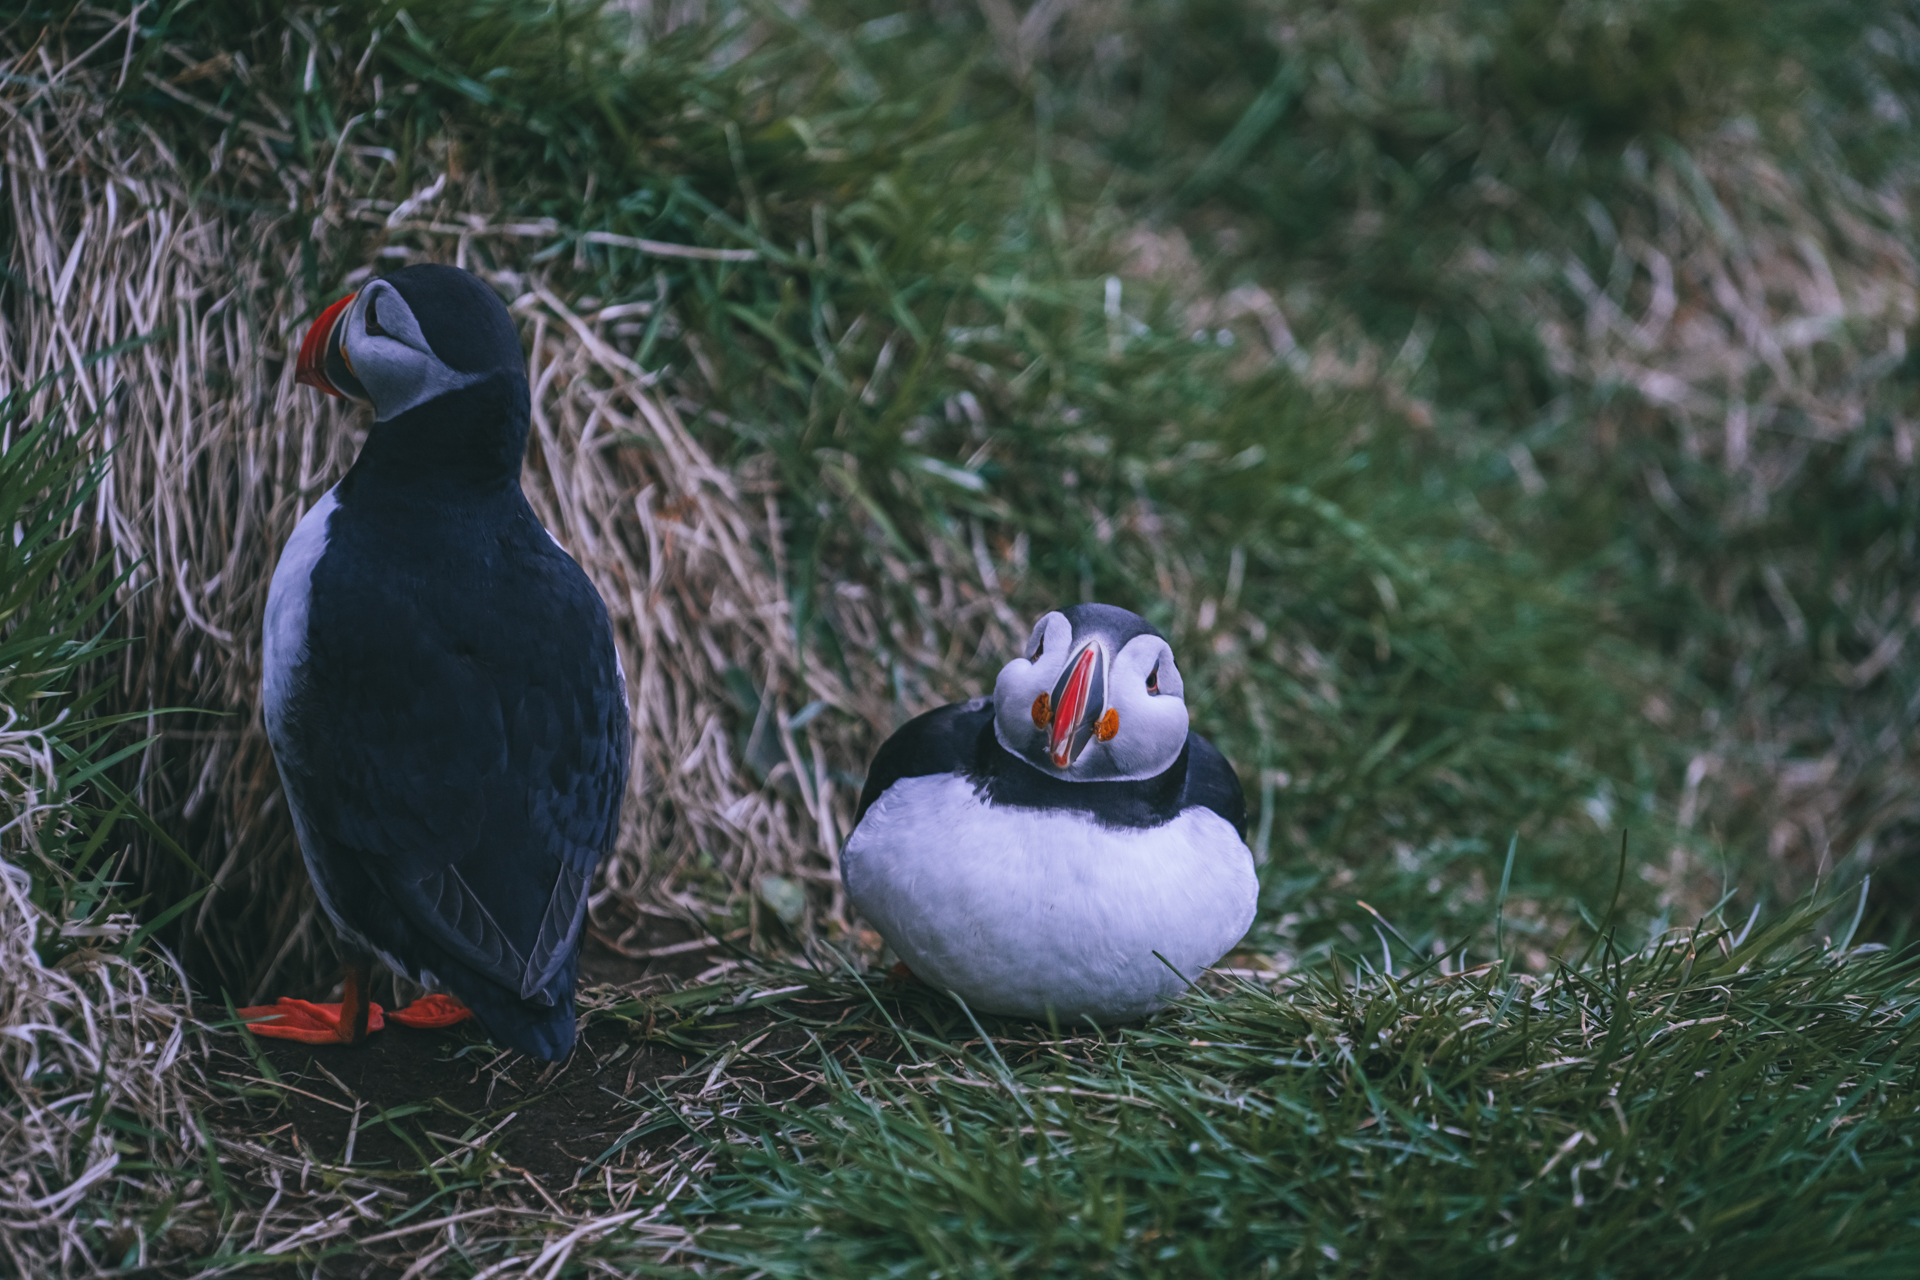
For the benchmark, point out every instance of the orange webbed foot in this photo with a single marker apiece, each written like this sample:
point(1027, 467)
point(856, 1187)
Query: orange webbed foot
point(345, 1023)
point(432, 1010)
point(290, 1019)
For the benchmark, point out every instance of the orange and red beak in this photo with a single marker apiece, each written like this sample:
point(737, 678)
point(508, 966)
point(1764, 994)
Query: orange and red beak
point(1079, 705)
point(323, 359)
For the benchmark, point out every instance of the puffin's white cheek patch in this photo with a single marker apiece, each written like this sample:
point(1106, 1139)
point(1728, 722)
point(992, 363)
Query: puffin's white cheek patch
point(394, 362)
point(400, 378)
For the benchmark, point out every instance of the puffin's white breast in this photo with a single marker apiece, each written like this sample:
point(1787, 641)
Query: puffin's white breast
point(288, 595)
point(283, 651)
point(1019, 911)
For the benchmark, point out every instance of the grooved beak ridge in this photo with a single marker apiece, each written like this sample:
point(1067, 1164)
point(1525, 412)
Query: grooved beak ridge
point(312, 366)
point(1078, 701)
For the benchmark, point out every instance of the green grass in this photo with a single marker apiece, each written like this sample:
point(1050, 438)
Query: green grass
point(94, 1129)
point(1695, 1108)
point(1435, 175)
point(56, 614)
point(1720, 1101)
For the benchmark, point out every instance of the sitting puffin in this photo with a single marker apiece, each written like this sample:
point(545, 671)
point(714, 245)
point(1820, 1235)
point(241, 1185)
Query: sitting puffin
point(442, 692)
point(1032, 851)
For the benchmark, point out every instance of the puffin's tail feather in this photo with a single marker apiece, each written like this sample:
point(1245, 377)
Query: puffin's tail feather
point(512, 1023)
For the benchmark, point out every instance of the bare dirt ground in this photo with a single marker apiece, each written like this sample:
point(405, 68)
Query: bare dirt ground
point(339, 1102)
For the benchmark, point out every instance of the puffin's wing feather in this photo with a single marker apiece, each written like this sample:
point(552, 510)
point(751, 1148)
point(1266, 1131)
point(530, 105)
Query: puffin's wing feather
point(1212, 784)
point(559, 930)
point(446, 905)
point(944, 740)
point(446, 908)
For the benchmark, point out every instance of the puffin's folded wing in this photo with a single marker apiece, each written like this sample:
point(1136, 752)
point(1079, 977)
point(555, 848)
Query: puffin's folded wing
point(578, 746)
point(512, 905)
point(1212, 783)
point(445, 907)
point(943, 740)
point(559, 933)
point(479, 791)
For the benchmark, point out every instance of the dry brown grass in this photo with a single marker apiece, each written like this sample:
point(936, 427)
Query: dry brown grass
point(91, 1039)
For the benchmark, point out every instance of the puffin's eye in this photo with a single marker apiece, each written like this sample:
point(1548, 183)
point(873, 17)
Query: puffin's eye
point(1039, 647)
point(1153, 680)
point(373, 321)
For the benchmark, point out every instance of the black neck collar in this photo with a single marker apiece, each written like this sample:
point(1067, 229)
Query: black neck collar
point(1004, 780)
point(470, 440)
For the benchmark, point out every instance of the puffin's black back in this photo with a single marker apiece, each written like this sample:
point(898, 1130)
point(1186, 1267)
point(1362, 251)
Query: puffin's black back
point(460, 729)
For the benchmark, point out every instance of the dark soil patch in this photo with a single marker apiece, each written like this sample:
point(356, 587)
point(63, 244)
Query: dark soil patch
point(439, 1121)
point(407, 1099)
point(549, 1120)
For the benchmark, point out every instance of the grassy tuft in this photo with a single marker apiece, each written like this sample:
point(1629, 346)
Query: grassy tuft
point(1694, 1107)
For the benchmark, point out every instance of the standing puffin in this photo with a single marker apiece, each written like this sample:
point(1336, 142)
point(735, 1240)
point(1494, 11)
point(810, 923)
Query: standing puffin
point(1032, 851)
point(443, 696)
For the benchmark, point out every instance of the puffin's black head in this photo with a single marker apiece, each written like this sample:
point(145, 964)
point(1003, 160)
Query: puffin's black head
point(1095, 697)
point(410, 338)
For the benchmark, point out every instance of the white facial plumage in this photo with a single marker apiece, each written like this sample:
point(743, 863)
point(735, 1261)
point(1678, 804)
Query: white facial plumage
point(392, 359)
point(1139, 696)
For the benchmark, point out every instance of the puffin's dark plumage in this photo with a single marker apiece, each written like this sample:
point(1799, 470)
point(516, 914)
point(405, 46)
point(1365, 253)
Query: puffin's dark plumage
point(443, 693)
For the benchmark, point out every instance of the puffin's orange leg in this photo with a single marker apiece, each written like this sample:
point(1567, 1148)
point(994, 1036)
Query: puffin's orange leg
point(355, 1007)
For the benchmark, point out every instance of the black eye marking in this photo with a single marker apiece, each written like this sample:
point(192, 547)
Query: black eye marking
point(1153, 680)
point(1039, 647)
point(373, 320)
